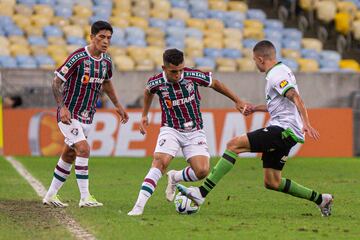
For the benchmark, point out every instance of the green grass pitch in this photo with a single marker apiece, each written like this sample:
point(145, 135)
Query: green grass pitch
point(238, 208)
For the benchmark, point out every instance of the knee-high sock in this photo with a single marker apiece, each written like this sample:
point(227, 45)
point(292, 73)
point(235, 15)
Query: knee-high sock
point(290, 187)
point(224, 165)
point(61, 172)
point(187, 174)
point(82, 176)
point(148, 186)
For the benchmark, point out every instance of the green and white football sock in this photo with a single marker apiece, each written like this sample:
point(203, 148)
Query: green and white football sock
point(290, 187)
point(82, 176)
point(61, 172)
point(148, 186)
point(224, 165)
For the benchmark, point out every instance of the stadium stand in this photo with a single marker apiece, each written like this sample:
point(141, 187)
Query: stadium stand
point(214, 34)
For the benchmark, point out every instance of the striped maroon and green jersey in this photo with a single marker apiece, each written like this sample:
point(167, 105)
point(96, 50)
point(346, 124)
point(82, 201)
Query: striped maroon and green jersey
point(180, 101)
point(83, 76)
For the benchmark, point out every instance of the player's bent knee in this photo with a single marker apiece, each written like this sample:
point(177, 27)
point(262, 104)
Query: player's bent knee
point(83, 150)
point(201, 173)
point(159, 164)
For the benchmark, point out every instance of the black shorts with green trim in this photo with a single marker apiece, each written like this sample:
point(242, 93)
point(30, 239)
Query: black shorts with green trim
point(274, 146)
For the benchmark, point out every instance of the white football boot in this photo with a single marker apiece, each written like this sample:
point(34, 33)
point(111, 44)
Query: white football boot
point(171, 186)
point(136, 211)
point(54, 201)
point(191, 192)
point(326, 204)
point(90, 201)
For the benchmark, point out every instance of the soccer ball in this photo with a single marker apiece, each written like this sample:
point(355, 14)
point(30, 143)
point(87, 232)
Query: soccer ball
point(184, 205)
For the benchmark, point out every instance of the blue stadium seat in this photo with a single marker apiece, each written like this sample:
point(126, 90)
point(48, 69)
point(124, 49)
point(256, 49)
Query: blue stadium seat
point(37, 40)
point(199, 5)
point(292, 64)
point(52, 31)
point(234, 16)
point(273, 24)
point(68, 3)
point(134, 32)
point(292, 33)
point(158, 23)
point(102, 11)
point(47, 2)
point(72, 40)
point(104, 3)
point(291, 44)
point(96, 18)
point(44, 60)
point(234, 24)
point(330, 55)
point(217, 14)
point(5, 20)
point(139, 42)
point(213, 52)
point(193, 32)
point(63, 11)
point(13, 30)
point(249, 43)
point(179, 4)
point(27, 2)
point(2, 32)
point(310, 53)
point(173, 22)
point(205, 62)
point(8, 62)
point(231, 53)
point(199, 14)
point(26, 61)
point(175, 43)
point(176, 32)
point(273, 34)
point(256, 14)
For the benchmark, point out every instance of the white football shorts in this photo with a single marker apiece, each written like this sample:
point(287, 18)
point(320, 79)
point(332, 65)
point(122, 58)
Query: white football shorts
point(192, 143)
point(75, 132)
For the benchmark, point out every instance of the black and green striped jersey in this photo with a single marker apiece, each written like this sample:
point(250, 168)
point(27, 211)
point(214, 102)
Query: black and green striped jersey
point(180, 101)
point(83, 76)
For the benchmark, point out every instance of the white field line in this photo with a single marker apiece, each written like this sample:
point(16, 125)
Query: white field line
point(61, 216)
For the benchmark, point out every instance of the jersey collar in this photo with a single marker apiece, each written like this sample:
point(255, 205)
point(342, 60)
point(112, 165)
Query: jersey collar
point(88, 53)
point(276, 64)
point(164, 76)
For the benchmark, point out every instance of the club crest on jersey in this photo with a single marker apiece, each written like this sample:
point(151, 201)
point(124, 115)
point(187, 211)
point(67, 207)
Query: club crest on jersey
point(284, 83)
point(162, 142)
point(165, 94)
point(103, 64)
point(75, 131)
point(104, 72)
point(87, 62)
point(64, 70)
point(190, 87)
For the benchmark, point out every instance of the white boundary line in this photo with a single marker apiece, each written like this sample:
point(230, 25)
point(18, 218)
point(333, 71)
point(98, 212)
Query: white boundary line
point(61, 216)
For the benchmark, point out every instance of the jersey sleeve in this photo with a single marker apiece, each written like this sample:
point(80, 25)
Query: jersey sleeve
point(67, 68)
point(200, 78)
point(281, 84)
point(109, 72)
point(151, 86)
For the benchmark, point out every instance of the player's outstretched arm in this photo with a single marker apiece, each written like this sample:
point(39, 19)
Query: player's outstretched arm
point(65, 115)
point(148, 97)
point(109, 90)
point(224, 90)
point(294, 96)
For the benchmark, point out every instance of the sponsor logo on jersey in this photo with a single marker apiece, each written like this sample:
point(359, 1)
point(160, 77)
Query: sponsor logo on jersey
point(181, 101)
point(64, 70)
point(75, 131)
point(195, 74)
point(103, 63)
point(283, 83)
point(86, 80)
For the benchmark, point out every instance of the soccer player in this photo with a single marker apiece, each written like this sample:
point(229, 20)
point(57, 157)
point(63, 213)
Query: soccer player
point(76, 87)
point(288, 124)
point(182, 124)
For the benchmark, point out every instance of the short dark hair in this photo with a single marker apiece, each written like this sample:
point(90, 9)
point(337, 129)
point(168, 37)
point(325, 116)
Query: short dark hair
point(173, 56)
point(265, 48)
point(100, 25)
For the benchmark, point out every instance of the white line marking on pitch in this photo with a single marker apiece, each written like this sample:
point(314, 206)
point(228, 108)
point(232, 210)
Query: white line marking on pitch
point(62, 217)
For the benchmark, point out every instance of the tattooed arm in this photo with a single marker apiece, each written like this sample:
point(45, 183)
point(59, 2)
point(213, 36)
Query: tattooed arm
point(65, 115)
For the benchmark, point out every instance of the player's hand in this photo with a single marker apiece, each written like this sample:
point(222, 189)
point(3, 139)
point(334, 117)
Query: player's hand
point(312, 132)
point(245, 108)
point(124, 117)
point(65, 115)
point(143, 124)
